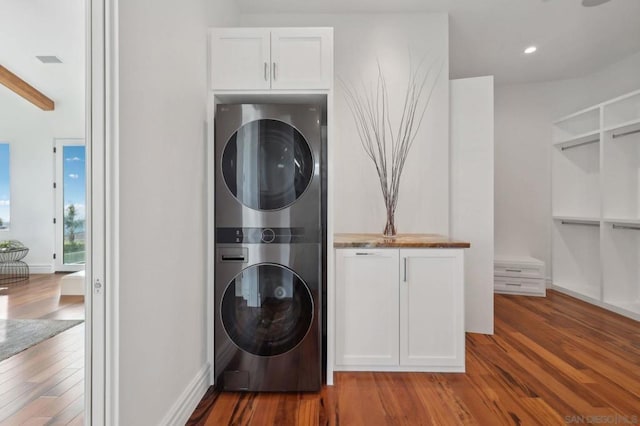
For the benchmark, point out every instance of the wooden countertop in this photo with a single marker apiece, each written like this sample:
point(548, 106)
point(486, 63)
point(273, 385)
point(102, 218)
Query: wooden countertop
point(399, 241)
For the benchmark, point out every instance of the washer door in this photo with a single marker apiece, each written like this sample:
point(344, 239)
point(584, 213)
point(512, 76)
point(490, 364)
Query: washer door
point(267, 310)
point(267, 165)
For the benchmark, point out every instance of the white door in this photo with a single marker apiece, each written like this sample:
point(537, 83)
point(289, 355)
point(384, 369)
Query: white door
point(70, 204)
point(240, 59)
point(366, 307)
point(301, 58)
point(432, 308)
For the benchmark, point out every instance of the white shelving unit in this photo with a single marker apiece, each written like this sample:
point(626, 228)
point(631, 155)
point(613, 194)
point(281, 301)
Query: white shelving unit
point(576, 165)
point(596, 205)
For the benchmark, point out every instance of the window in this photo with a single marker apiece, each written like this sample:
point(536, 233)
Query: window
point(5, 199)
point(74, 195)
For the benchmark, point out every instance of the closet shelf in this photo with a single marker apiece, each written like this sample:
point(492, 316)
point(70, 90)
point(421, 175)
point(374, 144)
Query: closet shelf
point(579, 140)
point(578, 220)
point(622, 221)
point(624, 129)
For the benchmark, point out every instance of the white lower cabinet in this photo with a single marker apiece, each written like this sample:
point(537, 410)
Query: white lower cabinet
point(400, 309)
point(367, 307)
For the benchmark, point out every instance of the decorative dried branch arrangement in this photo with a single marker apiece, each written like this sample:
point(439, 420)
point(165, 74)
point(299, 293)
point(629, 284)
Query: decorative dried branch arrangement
point(389, 149)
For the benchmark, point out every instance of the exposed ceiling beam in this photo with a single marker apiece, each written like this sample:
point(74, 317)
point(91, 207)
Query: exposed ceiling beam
point(24, 89)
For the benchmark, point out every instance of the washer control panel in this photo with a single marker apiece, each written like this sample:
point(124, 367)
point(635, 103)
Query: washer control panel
point(265, 235)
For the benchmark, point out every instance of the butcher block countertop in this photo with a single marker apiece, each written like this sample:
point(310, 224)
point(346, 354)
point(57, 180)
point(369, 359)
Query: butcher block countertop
point(399, 241)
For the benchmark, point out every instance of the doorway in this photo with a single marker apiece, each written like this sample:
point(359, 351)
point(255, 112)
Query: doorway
point(85, 226)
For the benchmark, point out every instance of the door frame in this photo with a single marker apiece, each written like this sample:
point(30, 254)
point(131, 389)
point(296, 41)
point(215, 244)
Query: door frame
point(101, 296)
point(58, 143)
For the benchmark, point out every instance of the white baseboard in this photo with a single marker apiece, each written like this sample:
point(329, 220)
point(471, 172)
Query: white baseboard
point(41, 268)
point(189, 398)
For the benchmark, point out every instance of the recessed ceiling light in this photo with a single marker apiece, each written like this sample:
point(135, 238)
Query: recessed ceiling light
point(49, 59)
point(530, 50)
point(591, 3)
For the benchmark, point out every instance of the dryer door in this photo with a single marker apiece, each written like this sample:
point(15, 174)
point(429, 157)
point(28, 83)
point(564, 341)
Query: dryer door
point(267, 164)
point(267, 310)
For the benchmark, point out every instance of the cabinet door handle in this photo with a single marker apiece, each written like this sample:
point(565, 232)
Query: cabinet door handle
point(513, 270)
point(405, 269)
point(514, 284)
point(365, 254)
point(266, 71)
point(274, 71)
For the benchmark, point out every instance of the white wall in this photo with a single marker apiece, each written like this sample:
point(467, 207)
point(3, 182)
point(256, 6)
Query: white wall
point(360, 39)
point(524, 114)
point(43, 27)
point(472, 193)
point(223, 13)
point(162, 259)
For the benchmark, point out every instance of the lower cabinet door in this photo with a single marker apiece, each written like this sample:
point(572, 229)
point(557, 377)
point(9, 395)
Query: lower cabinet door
point(366, 307)
point(432, 308)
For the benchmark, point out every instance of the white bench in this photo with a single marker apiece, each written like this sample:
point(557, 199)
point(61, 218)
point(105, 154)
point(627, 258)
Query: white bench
point(72, 284)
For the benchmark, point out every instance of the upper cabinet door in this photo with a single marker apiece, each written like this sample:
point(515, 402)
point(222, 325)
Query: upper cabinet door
point(302, 58)
point(240, 59)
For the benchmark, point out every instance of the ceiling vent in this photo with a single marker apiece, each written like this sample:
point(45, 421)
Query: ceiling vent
point(49, 59)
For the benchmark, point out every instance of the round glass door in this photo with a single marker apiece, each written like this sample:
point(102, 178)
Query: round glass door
point(267, 165)
point(267, 310)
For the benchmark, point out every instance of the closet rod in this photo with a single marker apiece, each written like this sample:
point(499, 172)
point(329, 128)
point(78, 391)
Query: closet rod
point(619, 135)
point(574, 222)
point(579, 144)
point(636, 228)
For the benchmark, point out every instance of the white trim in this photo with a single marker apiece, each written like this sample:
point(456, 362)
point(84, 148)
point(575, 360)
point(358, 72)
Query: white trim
point(604, 305)
point(330, 302)
point(89, 397)
point(210, 185)
point(97, 299)
point(189, 399)
point(41, 268)
point(401, 368)
point(112, 208)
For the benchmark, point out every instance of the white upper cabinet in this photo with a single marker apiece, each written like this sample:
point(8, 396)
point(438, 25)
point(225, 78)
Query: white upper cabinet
point(271, 59)
point(301, 58)
point(240, 58)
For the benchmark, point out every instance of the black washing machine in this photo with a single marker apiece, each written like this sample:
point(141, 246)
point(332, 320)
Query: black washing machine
point(268, 266)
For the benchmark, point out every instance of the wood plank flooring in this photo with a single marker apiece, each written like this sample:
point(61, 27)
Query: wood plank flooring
point(43, 385)
point(551, 361)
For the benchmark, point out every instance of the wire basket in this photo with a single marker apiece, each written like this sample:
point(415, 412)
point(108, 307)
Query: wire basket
point(11, 272)
point(13, 255)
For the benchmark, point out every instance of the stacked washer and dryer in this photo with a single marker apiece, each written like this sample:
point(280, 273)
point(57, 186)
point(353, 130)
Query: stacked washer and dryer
point(269, 247)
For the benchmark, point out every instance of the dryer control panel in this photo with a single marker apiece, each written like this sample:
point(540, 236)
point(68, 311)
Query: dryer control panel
point(265, 236)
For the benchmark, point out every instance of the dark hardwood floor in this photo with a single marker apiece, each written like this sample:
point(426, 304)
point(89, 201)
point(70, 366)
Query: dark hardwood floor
point(43, 385)
point(551, 361)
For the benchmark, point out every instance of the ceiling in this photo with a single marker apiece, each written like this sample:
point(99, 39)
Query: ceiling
point(44, 27)
point(487, 37)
